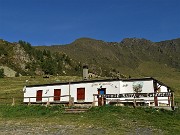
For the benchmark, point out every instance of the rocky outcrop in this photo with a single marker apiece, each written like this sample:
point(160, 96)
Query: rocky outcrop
point(8, 72)
point(20, 57)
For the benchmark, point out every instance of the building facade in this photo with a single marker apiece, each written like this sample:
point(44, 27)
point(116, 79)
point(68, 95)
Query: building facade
point(141, 91)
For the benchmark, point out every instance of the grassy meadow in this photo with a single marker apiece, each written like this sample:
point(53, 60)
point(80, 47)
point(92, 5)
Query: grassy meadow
point(13, 87)
point(169, 76)
point(38, 119)
point(98, 120)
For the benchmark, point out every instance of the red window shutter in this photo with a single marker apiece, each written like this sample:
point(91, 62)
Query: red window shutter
point(57, 94)
point(80, 93)
point(39, 95)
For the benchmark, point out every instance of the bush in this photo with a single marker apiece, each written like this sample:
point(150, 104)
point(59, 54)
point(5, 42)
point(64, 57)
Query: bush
point(1, 73)
point(17, 74)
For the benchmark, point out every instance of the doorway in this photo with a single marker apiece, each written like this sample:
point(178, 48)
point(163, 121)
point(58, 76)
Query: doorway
point(57, 94)
point(101, 100)
point(80, 93)
point(39, 95)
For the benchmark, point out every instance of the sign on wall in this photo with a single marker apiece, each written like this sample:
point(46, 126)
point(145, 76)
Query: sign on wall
point(136, 95)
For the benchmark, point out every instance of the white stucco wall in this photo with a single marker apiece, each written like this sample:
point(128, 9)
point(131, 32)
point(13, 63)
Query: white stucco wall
point(112, 87)
point(90, 89)
point(46, 92)
point(165, 99)
point(127, 87)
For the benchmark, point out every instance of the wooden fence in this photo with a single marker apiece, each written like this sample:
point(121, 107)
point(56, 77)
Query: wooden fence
point(98, 99)
point(135, 99)
point(13, 100)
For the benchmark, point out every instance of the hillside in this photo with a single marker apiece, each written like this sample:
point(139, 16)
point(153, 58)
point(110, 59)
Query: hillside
point(13, 56)
point(106, 120)
point(131, 57)
point(22, 59)
point(127, 57)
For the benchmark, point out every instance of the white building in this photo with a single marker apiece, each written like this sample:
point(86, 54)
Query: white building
point(142, 91)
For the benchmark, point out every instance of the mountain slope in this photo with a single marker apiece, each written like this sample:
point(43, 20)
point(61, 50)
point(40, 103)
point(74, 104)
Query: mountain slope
point(125, 56)
point(13, 56)
point(104, 58)
point(23, 59)
point(131, 57)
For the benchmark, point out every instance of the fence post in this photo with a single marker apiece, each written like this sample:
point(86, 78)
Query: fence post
point(70, 101)
point(48, 103)
point(13, 103)
point(69, 93)
point(169, 102)
point(94, 100)
point(102, 97)
point(29, 103)
point(134, 102)
point(172, 101)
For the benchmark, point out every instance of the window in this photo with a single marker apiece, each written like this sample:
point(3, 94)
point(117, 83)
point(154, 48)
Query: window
point(80, 93)
point(39, 95)
point(57, 94)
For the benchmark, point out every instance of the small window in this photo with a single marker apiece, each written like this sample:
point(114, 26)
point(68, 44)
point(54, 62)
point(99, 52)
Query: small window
point(80, 93)
point(39, 95)
point(57, 94)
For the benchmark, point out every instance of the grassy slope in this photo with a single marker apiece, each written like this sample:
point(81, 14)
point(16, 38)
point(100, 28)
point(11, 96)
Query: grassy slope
point(99, 120)
point(13, 87)
point(134, 57)
point(103, 120)
point(126, 54)
point(113, 120)
point(167, 75)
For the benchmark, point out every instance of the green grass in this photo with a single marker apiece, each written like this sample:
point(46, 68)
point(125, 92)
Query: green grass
point(107, 120)
point(114, 120)
point(169, 76)
point(13, 87)
point(8, 111)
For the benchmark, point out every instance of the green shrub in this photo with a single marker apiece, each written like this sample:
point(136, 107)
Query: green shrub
point(1, 73)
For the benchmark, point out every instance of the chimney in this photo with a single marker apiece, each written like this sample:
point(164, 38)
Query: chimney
point(85, 72)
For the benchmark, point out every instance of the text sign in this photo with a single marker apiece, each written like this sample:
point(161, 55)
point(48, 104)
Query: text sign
point(136, 95)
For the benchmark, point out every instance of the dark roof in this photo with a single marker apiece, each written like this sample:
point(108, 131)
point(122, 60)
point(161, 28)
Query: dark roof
point(138, 79)
point(76, 82)
point(146, 78)
point(105, 80)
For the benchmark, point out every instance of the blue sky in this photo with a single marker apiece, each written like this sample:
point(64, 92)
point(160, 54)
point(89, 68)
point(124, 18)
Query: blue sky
point(48, 22)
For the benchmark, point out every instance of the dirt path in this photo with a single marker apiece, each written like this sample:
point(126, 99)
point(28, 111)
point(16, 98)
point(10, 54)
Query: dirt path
point(13, 128)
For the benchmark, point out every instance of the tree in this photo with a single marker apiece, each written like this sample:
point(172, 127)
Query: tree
point(49, 66)
point(27, 47)
point(1, 73)
point(3, 51)
point(17, 74)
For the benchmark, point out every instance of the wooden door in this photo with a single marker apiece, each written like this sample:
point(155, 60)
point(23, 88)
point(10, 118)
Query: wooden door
point(57, 94)
point(39, 95)
point(156, 100)
point(101, 100)
point(80, 93)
